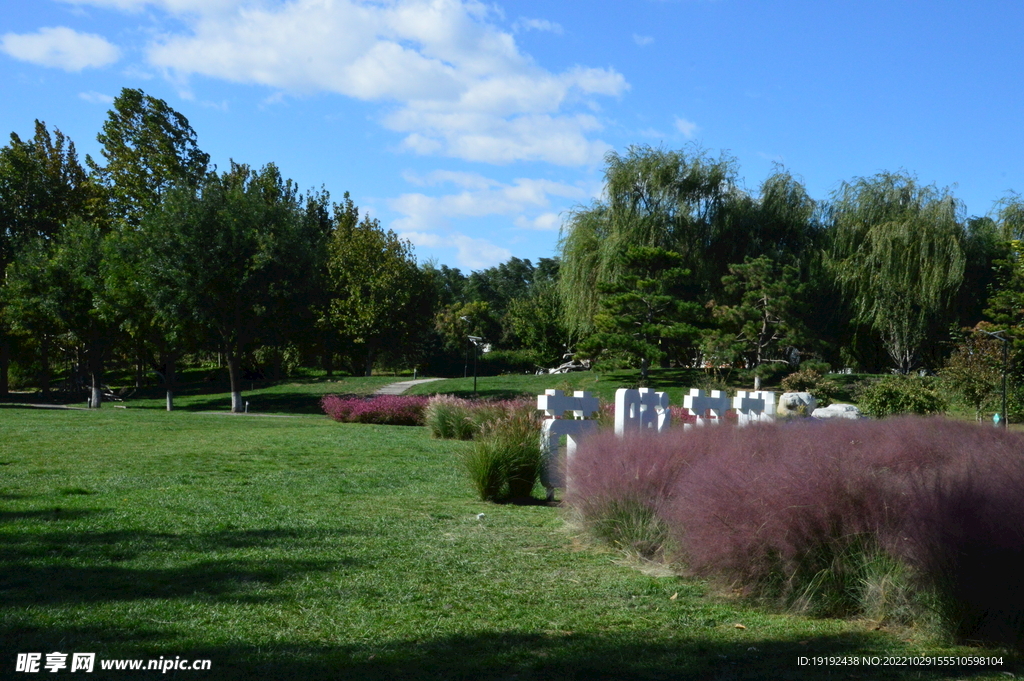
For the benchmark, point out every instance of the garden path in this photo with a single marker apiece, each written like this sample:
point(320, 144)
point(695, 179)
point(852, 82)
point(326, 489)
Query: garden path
point(402, 386)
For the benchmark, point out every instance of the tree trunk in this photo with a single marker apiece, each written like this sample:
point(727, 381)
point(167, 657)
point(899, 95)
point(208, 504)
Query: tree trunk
point(645, 365)
point(328, 359)
point(44, 360)
point(757, 383)
point(235, 374)
point(96, 376)
point(5, 364)
point(169, 379)
point(369, 362)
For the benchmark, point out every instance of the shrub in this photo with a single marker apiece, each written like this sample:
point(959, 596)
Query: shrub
point(895, 519)
point(811, 381)
point(506, 460)
point(392, 410)
point(894, 395)
point(510, 362)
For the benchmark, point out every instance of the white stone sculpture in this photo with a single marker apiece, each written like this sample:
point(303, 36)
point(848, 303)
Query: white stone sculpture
point(554, 403)
point(754, 407)
point(699, 404)
point(641, 410)
point(796, 404)
point(837, 411)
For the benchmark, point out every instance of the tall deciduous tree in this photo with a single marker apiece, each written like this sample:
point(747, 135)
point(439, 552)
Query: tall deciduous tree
point(149, 148)
point(61, 286)
point(230, 257)
point(655, 198)
point(898, 258)
point(42, 186)
point(379, 296)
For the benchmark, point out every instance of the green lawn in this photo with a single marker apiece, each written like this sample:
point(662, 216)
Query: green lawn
point(208, 390)
point(300, 548)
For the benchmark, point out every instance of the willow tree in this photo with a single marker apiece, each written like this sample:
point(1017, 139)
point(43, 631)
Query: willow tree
point(897, 256)
point(653, 198)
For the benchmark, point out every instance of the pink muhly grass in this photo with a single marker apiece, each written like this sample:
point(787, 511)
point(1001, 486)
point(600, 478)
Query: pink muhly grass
point(828, 511)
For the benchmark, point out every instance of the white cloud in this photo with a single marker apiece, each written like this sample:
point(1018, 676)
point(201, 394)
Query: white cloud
point(422, 239)
point(478, 254)
point(524, 24)
point(94, 97)
point(688, 128)
point(454, 82)
point(481, 197)
point(546, 222)
point(60, 47)
point(471, 253)
point(642, 40)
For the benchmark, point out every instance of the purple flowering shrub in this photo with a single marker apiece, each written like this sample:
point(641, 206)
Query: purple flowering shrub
point(392, 410)
point(893, 519)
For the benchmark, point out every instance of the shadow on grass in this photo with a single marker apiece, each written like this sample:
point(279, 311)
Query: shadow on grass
point(276, 402)
point(51, 568)
point(518, 656)
point(51, 514)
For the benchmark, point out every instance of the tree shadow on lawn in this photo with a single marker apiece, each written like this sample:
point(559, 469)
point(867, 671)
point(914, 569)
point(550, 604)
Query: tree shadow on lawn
point(515, 656)
point(46, 569)
point(274, 403)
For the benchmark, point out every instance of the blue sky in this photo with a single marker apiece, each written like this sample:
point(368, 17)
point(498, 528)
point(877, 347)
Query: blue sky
point(471, 128)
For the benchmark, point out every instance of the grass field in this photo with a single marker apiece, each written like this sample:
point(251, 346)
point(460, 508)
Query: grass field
point(300, 548)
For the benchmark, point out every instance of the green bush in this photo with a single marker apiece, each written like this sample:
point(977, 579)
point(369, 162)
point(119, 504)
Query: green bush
point(506, 460)
point(811, 381)
point(511, 362)
point(901, 395)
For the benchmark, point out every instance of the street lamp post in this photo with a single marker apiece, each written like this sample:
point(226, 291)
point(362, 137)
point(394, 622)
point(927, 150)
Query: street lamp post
point(475, 340)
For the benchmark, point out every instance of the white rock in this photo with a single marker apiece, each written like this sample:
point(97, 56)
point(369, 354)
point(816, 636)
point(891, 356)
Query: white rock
point(837, 411)
point(796, 404)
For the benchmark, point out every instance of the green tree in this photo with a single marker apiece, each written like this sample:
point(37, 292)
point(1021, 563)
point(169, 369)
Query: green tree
point(655, 198)
point(765, 298)
point(42, 186)
point(62, 287)
point(897, 256)
point(230, 257)
point(974, 371)
point(642, 315)
point(379, 297)
point(535, 322)
point(148, 148)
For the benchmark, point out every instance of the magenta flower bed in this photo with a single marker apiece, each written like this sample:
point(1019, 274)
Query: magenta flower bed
point(391, 410)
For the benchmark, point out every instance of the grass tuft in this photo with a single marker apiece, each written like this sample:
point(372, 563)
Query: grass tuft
point(506, 460)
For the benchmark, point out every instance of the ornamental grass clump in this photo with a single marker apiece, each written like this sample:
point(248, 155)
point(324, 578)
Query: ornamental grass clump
point(505, 462)
point(455, 418)
point(902, 520)
point(448, 418)
point(391, 410)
